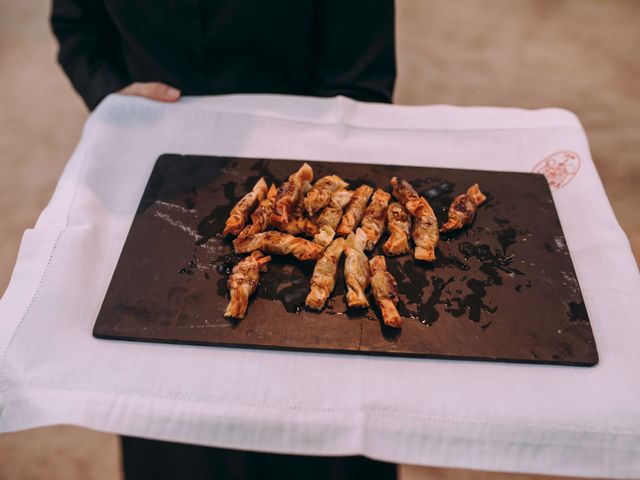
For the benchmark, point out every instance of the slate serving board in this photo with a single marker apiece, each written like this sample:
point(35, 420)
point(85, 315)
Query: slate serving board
point(503, 289)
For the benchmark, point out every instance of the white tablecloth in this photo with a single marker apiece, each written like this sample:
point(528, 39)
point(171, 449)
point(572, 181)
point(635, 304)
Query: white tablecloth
point(495, 416)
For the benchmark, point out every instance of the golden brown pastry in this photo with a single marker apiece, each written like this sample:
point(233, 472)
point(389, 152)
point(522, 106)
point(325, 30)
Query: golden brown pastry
point(356, 269)
point(243, 282)
point(329, 218)
point(324, 276)
point(463, 209)
point(385, 291)
point(240, 212)
point(399, 228)
point(260, 216)
point(341, 198)
point(299, 224)
point(280, 244)
point(425, 225)
point(324, 236)
point(375, 217)
point(332, 213)
point(290, 196)
point(354, 210)
point(320, 194)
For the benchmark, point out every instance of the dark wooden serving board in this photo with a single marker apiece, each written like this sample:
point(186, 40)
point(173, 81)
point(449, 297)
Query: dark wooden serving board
point(503, 289)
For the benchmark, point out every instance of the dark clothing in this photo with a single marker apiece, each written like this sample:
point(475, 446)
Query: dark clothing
point(150, 459)
point(203, 47)
point(304, 47)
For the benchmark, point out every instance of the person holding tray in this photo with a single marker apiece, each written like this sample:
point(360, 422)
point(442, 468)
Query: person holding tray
point(165, 49)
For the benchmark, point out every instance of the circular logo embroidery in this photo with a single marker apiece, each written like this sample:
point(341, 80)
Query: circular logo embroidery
point(559, 168)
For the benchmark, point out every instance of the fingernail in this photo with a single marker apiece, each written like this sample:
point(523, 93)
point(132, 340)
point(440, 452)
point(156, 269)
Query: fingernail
point(173, 92)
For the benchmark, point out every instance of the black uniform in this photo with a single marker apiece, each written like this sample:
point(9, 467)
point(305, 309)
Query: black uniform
point(304, 47)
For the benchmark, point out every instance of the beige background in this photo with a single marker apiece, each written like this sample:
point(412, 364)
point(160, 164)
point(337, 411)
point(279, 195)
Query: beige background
point(577, 54)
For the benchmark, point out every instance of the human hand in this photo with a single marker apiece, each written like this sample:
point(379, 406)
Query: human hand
point(152, 90)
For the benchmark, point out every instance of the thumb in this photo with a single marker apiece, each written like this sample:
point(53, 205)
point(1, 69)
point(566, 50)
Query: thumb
point(153, 90)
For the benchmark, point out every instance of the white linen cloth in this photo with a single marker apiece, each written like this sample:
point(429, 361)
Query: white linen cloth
point(494, 416)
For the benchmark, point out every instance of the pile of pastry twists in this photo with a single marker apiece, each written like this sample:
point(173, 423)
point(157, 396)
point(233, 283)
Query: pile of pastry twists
point(323, 221)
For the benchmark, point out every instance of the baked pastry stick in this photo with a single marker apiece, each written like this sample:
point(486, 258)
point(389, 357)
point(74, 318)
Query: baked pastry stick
point(375, 218)
point(299, 224)
point(399, 228)
point(290, 196)
point(240, 212)
point(385, 291)
point(323, 280)
point(260, 216)
point(425, 225)
point(324, 236)
point(354, 210)
point(332, 213)
point(243, 282)
point(356, 269)
point(320, 194)
point(463, 209)
point(279, 243)
point(341, 199)
point(329, 218)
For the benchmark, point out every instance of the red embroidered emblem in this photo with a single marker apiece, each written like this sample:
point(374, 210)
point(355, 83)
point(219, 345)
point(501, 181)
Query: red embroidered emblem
point(559, 168)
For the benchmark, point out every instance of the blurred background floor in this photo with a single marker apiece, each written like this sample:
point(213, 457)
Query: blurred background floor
point(577, 54)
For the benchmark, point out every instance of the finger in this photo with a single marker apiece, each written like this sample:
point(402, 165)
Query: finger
point(160, 91)
point(153, 90)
